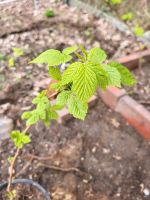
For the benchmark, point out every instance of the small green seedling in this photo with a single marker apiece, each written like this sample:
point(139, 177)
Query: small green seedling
point(138, 30)
point(49, 13)
point(12, 195)
point(128, 16)
point(18, 52)
point(2, 57)
point(115, 2)
point(20, 138)
point(73, 88)
point(78, 82)
point(11, 61)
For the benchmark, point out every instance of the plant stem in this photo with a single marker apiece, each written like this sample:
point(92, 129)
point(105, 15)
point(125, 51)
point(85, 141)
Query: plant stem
point(79, 56)
point(12, 164)
point(11, 169)
point(26, 129)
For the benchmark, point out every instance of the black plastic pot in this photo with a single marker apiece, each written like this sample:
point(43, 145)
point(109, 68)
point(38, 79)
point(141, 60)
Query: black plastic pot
point(27, 182)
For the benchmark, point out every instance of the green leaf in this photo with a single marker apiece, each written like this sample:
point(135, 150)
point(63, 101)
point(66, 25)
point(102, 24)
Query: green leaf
point(101, 76)
point(66, 58)
point(52, 57)
point(84, 82)
point(114, 77)
point(34, 118)
point(77, 108)
point(26, 115)
point(126, 77)
point(49, 13)
point(10, 159)
point(52, 114)
point(1, 57)
point(70, 50)
point(41, 98)
point(43, 111)
point(128, 16)
point(20, 138)
point(18, 51)
point(54, 73)
point(11, 62)
point(63, 97)
point(138, 31)
point(57, 107)
point(56, 86)
point(25, 138)
point(70, 72)
point(115, 2)
point(97, 55)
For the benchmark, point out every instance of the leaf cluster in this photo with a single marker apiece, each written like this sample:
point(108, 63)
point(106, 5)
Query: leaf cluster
point(76, 84)
point(20, 138)
point(49, 13)
point(43, 111)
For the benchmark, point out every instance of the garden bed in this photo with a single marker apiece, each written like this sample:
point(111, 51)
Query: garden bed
point(19, 84)
point(141, 91)
point(92, 156)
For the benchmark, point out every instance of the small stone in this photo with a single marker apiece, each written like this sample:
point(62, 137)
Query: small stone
point(118, 195)
point(146, 192)
point(85, 181)
point(6, 126)
point(142, 187)
point(4, 107)
point(117, 157)
point(93, 149)
point(115, 123)
point(106, 151)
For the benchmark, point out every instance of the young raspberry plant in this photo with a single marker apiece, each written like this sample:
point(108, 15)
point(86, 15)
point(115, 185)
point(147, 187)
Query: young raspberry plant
point(86, 71)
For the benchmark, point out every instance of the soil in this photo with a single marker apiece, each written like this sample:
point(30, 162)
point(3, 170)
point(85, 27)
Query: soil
point(140, 10)
point(23, 192)
point(102, 158)
point(141, 91)
point(19, 84)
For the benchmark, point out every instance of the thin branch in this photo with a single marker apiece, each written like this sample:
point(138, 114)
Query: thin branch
point(11, 169)
point(31, 156)
point(53, 167)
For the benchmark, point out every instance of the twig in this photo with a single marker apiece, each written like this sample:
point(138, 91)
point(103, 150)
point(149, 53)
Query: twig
point(26, 129)
point(31, 156)
point(70, 169)
point(11, 168)
point(12, 164)
point(145, 102)
point(53, 166)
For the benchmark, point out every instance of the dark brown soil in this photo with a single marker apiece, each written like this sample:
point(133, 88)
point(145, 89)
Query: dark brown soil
point(19, 84)
point(100, 158)
point(141, 91)
point(22, 192)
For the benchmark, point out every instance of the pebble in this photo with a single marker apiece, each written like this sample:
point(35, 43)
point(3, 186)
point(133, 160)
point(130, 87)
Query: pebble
point(94, 149)
point(146, 192)
point(6, 126)
point(106, 151)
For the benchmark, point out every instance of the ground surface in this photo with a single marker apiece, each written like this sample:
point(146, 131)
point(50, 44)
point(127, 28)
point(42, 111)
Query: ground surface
point(141, 91)
point(113, 160)
point(100, 159)
point(21, 83)
point(140, 10)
